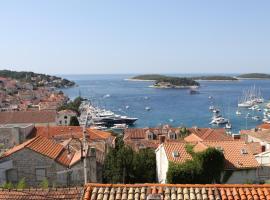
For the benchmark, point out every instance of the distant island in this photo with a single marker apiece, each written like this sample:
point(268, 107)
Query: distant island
point(37, 80)
point(162, 81)
point(254, 76)
point(215, 78)
point(147, 77)
point(154, 77)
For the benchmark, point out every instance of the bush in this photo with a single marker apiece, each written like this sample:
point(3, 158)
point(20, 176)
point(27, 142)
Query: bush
point(205, 167)
point(21, 184)
point(7, 185)
point(44, 183)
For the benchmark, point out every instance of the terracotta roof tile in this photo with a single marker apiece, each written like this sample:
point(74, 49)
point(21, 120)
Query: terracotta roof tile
point(42, 194)
point(207, 134)
point(237, 154)
point(178, 148)
point(71, 131)
point(27, 117)
point(264, 126)
point(263, 135)
point(49, 148)
point(178, 191)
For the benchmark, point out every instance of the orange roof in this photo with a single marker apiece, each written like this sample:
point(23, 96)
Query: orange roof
point(178, 147)
point(27, 117)
point(263, 135)
point(264, 126)
point(46, 147)
point(237, 154)
point(177, 191)
point(42, 194)
point(69, 131)
point(207, 134)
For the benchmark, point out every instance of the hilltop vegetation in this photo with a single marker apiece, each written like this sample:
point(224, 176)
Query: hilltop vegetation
point(36, 79)
point(255, 76)
point(174, 82)
point(215, 78)
point(148, 77)
point(155, 77)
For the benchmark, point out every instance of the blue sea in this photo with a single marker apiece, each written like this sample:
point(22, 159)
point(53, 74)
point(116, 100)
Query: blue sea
point(168, 106)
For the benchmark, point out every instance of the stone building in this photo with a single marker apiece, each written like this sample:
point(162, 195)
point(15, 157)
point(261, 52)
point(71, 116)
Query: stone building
point(39, 158)
point(11, 135)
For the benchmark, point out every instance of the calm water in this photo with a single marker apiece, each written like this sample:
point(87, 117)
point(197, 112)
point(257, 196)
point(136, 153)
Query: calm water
point(168, 106)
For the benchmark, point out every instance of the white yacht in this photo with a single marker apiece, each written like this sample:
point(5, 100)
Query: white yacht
point(228, 125)
point(219, 121)
point(238, 112)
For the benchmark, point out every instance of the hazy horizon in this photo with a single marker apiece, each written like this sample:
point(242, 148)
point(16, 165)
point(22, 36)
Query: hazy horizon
point(135, 37)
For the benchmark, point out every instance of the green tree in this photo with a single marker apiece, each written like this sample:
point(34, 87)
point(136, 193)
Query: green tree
point(123, 165)
point(74, 121)
point(21, 184)
point(144, 166)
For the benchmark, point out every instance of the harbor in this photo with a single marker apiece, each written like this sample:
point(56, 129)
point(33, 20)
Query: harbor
point(101, 119)
point(154, 107)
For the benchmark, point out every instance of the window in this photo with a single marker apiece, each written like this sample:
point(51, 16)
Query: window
point(40, 174)
point(65, 117)
point(12, 175)
point(60, 122)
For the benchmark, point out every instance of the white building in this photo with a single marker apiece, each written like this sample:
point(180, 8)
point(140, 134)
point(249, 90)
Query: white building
point(64, 117)
point(239, 160)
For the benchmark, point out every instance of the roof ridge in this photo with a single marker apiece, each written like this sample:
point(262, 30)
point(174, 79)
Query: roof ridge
point(179, 185)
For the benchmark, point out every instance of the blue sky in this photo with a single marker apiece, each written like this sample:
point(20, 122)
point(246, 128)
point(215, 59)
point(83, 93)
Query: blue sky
point(142, 36)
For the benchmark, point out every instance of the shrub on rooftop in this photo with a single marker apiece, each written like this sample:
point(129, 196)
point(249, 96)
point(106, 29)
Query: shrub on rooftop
point(205, 167)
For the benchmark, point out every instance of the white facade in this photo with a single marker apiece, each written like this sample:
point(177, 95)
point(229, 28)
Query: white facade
point(162, 164)
point(64, 117)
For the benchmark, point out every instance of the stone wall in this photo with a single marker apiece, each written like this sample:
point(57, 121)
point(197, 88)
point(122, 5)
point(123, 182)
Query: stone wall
point(26, 163)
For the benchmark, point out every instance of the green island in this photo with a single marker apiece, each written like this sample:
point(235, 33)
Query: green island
point(162, 81)
point(37, 80)
point(254, 76)
point(215, 78)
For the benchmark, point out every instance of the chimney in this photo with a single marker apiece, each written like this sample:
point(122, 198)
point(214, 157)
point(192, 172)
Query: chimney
point(263, 148)
point(236, 136)
point(162, 139)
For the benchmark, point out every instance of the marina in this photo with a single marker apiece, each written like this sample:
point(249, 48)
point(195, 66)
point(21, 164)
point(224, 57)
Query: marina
point(173, 106)
point(102, 119)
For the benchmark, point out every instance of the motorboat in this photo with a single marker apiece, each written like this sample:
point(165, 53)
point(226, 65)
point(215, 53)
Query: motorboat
point(219, 121)
point(228, 125)
point(215, 110)
point(256, 118)
point(119, 128)
point(211, 107)
point(238, 112)
point(147, 108)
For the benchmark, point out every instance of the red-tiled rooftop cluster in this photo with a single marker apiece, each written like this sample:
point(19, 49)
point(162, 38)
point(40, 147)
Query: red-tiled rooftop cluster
point(176, 192)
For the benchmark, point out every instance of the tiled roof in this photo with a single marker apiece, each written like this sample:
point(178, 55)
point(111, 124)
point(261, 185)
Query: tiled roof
point(264, 126)
point(42, 194)
point(176, 192)
point(237, 154)
point(27, 117)
point(255, 147)
point(263, 135)
point(207, 134)
point(46, 147)
point(177, 147)
point(68, 131)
